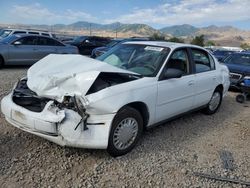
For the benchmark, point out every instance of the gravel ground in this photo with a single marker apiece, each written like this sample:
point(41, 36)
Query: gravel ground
point(166, 156)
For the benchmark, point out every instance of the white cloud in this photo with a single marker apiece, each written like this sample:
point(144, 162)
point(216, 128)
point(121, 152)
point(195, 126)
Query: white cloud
point(191, 12)
point(37, 14)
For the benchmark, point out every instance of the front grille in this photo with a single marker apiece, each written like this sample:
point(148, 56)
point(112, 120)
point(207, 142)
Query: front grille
point(235, 77)
point(28, 99)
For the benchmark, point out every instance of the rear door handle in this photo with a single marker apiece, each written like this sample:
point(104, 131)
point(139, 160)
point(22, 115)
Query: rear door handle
point(214, 78)
point(190, 83)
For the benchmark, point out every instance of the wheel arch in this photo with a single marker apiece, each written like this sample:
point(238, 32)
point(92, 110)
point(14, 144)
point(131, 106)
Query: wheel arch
point(220, 88)
point(142, 108)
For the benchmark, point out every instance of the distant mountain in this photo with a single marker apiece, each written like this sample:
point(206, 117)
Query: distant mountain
point(84, 25)
point(180, 30)
point(223, 35)
point(214, 28)
point(117, 26)
point(141, 29)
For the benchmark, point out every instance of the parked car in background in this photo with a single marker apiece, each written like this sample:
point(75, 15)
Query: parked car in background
point(86, 44)
point(239, 67)
point(28, 49)
point(65, 39)
point(106, 103)
point(8, 32)
point(222, 54)
point(101, 50)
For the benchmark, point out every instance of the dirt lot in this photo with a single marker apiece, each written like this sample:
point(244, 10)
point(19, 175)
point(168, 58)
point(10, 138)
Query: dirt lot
point(166, 156)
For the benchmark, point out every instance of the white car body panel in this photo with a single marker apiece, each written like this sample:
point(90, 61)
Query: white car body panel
point(57, 76)
point(171, 99)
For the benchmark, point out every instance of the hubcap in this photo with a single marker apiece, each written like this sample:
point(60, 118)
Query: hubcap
point(215, 101)
point(125, 133)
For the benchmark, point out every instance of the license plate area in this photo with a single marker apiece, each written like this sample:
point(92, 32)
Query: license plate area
point(34, 124)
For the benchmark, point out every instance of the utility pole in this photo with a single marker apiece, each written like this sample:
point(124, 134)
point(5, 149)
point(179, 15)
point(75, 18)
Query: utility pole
point(116, 28)
point(90, 32)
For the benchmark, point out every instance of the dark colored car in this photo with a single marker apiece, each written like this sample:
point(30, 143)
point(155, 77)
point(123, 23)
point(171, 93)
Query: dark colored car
point(239, 67)
point(222, 54)
point(86, 44)
point(101, 50)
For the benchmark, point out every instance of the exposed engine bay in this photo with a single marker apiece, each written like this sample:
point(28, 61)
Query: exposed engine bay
point(28, 99)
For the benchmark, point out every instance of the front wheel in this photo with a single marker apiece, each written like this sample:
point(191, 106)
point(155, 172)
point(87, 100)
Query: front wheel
point(126, 130)
point(214, 103)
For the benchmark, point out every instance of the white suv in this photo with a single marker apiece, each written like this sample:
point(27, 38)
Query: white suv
point(77, 101)
point(7, 32)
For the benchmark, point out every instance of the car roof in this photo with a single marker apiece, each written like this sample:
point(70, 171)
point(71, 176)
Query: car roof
point(35, 35)
point(171, 45)
point(27, 30)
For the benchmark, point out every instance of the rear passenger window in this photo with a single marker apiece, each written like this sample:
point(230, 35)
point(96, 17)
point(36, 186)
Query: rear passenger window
point(202, 60)
point(44, 41)
point(33, 33)
point(19, 32)
point(45, 34)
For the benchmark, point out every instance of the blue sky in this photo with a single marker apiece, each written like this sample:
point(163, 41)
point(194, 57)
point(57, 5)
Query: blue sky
point(156, 13)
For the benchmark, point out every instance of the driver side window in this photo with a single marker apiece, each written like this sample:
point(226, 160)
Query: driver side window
point(29, 40)
point(179, 60)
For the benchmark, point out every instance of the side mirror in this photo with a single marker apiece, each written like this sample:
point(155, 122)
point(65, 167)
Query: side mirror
point(17, 43)
point(172, 73)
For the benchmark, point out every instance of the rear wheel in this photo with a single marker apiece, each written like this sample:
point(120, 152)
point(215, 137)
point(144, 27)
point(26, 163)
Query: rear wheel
point(241, 98)
point(214, 103)
point(126, 130)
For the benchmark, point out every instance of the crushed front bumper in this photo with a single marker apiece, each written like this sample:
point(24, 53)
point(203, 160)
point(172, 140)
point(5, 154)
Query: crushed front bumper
point(59, 126)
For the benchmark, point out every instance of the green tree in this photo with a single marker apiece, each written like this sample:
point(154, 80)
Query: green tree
point(210, 43)
point(157, 36)
point(245, 46)
point(175, 39)
point(198, 40)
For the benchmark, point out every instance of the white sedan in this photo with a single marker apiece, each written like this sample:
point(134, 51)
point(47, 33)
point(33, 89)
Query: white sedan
point(76, 101)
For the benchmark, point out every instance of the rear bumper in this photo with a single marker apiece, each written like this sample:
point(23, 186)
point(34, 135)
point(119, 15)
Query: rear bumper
point(59, 126)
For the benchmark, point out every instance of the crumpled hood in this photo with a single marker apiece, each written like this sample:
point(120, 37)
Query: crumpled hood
point(56, 76)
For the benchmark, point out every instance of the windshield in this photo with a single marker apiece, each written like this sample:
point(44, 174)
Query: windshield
point(4, 33)
point(79, 39)
point(9, 39)
point(145, 60)
point(241, 59)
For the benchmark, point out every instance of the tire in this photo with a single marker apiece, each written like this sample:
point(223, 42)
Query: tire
point(241, 98)
point(125, 132)
point(216, 98)
point(1, 62)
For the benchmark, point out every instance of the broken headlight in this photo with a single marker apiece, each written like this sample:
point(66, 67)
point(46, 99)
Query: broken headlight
point(78, 105)
point(75, 103)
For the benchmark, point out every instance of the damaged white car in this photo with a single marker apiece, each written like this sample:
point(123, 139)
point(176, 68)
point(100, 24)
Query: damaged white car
point(76, 101)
